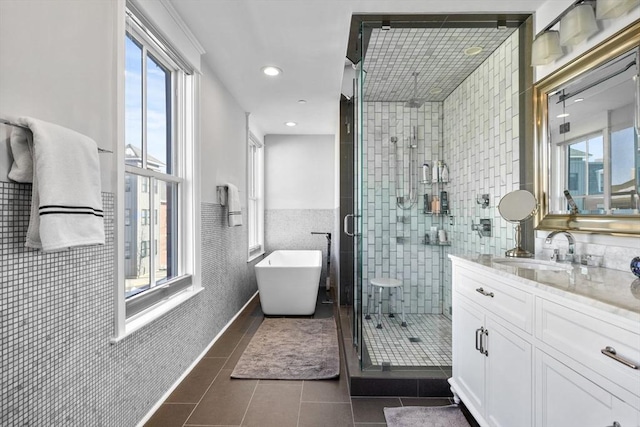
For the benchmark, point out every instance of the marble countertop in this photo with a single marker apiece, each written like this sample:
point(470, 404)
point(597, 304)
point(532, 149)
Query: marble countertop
point(614, 291)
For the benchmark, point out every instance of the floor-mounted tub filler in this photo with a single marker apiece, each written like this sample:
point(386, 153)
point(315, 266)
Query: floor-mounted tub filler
point(288, 281)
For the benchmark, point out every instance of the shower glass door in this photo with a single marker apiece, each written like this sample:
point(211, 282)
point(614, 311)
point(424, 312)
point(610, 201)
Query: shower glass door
point(357, 211)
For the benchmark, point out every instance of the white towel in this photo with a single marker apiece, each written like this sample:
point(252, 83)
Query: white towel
point(21, 145)
point(66, 206)
point(233, 205)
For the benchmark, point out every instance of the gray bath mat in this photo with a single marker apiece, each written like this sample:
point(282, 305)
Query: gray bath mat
point(425, 416)
point(291, 349)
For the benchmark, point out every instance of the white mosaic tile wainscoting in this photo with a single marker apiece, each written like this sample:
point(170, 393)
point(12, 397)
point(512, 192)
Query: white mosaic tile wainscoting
point(58, 366)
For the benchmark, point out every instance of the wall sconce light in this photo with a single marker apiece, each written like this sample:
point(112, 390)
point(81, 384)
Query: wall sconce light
point(607, 9)
point(577, 25)
point(546, 48)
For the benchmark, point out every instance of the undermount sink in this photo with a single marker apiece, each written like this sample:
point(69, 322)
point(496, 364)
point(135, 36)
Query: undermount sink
point(532, 264)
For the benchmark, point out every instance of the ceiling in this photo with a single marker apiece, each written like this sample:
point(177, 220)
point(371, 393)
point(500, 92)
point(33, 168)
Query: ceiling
point(308, 40)
point(437, 55)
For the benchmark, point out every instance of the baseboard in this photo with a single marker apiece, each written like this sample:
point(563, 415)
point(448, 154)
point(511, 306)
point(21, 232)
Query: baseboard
point(164, 397)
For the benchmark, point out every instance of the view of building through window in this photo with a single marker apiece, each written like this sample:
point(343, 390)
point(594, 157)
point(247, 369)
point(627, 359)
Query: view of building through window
point(151, 217)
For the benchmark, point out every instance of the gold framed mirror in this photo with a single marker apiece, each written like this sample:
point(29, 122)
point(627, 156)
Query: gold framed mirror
point(587, 154)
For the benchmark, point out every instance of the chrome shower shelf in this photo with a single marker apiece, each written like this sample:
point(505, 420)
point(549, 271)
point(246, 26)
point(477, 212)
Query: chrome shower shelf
point(426, 243)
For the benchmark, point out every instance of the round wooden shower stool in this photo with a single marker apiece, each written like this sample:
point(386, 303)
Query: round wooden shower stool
point(384, 283)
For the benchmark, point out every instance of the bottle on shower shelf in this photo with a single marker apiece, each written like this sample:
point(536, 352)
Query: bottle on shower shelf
point(434, 172)
point(435, 205)
point(444, 202)
point(444, 175)
point(426, 173)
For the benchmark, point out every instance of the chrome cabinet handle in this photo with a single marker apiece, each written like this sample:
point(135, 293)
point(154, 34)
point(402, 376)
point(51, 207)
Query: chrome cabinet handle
point(484, 350)
point(485, 293)
point(479, 332)
point(611, 352)
point(345, 225)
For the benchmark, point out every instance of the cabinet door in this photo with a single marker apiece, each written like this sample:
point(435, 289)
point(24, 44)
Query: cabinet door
point(468, 362)
point(509, 377)
point(566, 398)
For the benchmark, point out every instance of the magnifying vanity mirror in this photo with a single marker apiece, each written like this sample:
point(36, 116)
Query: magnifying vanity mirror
point(516, 207)
point(588, 155)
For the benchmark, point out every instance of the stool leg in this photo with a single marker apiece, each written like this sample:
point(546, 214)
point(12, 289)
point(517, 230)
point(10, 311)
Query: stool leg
point(404, 323)
point(392, 299)
point(379, 314)
point(367, 315)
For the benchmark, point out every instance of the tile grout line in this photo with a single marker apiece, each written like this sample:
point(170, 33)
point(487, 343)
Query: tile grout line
point(300, 404)
point(216, 376)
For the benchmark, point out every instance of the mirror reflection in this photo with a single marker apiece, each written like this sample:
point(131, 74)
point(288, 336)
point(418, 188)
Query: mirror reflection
point(593, 140)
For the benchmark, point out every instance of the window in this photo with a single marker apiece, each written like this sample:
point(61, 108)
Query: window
point(586, 171)
point(600, 173)
point(159, 147)
point(255, 204)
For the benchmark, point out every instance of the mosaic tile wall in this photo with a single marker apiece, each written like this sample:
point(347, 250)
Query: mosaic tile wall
point(393, 237)
point(291, 229)
point(481, 139)
point(56, 310)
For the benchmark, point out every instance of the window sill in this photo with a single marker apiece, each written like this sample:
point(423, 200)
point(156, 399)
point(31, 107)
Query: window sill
point(254, 256)
point(158, 310)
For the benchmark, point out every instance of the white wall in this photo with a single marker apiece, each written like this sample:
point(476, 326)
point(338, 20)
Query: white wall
point(57, 63)
point(299, 172)
point(223, 139)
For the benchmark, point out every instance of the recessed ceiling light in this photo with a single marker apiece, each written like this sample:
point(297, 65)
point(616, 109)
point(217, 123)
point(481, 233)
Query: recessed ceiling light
point(435, 91)
point(473, 50)
point(302, 101)
point(270, 70)
point(291, 124)
point(560, 116)
point(578, 100)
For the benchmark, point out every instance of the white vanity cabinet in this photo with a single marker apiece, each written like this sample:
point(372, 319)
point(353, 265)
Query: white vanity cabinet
point(492, 353)
point(576, 383)
point(525, 354)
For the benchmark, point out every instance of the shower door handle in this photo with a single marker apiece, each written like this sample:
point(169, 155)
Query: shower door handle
point(345, 225)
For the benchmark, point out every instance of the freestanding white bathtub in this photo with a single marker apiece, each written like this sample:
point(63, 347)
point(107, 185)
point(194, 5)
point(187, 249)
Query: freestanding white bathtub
point(288, 281)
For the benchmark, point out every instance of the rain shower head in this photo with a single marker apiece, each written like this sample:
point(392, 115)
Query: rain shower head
point(414, 102)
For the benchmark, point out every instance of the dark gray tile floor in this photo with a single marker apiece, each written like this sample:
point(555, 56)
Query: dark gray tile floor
point(209, 397)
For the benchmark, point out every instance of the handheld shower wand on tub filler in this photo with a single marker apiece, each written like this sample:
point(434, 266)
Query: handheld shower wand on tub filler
point(328, 300)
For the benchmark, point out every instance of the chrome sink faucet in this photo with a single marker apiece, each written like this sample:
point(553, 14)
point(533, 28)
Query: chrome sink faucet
point(570, 256)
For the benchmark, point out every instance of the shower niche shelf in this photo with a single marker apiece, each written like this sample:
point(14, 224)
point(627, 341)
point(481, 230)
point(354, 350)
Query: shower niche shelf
point(428, 243)
point(429, 213)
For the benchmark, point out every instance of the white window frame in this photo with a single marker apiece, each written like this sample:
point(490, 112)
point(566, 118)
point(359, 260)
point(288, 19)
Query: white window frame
point(255, 197)
point(186, 136)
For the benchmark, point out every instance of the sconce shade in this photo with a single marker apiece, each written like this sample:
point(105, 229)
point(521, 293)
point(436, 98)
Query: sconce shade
point(546, 48)
point(577, 25)
point(607, 9)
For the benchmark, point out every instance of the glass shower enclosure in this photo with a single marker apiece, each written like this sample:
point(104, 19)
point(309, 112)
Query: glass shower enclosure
point(400, 228)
